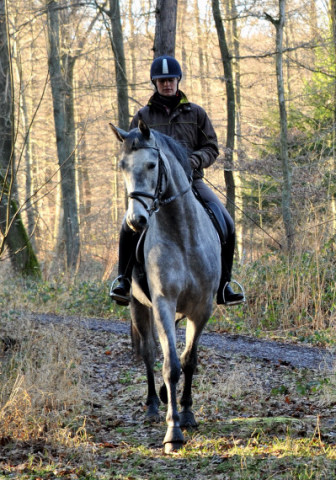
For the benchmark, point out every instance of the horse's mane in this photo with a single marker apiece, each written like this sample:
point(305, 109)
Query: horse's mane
point(177, 150)
point(135, 140)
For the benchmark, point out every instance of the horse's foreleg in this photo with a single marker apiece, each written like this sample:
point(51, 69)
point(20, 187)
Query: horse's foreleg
point(143, 337)
point(171, 370)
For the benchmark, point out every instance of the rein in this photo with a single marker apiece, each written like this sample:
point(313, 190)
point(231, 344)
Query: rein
point(158, 200)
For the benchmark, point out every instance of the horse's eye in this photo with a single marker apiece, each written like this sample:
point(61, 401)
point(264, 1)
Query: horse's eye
point(151, 166)
point(122, 164)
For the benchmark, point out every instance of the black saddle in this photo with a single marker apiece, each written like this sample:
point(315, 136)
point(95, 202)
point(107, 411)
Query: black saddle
point(217, 219)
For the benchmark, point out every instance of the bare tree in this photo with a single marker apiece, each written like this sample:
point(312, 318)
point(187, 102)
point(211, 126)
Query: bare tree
point(62, 59)
point(61, 70)
point(234, 42)
point(117, 43)
point(231, 110)
point(13, 232)
point(333, 23)
point(165, 28)
point(286, 166)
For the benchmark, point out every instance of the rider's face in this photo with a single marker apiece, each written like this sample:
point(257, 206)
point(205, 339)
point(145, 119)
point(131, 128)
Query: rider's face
point(167, 86)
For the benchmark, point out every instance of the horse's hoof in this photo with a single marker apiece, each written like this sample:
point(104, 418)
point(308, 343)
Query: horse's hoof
point(163, 394)
point(174, 440)
point(173, 447)
point(187, 420)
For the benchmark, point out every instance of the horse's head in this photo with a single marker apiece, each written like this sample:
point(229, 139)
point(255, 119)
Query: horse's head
point(143, 172)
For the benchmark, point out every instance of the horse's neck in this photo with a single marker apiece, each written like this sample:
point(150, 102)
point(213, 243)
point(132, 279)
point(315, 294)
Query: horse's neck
point(183, 211)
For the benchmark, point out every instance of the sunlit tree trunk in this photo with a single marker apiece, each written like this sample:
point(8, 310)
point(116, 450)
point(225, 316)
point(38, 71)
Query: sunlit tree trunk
point(133, 49)
point(165, 28)
point(333, 198)
point(237, 156)
point(26, 110)
point(13, 232)
point(117, 42)
point(181, 27)
point(286, 166)
point(230, 100)
point(61, 87)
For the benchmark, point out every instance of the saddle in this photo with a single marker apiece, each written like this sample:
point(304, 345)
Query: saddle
point(218, 221)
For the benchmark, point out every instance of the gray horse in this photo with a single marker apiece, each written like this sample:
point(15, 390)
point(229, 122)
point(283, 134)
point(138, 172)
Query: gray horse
point(181, 257)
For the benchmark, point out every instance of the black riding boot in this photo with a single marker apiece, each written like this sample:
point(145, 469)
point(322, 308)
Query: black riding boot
point(225, 294)
point(127, 244)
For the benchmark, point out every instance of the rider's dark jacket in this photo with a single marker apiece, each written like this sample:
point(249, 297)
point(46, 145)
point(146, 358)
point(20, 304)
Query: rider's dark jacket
point(187, 123)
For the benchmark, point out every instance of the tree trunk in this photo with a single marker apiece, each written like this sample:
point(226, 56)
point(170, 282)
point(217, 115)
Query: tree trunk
point(233, 15)
point(333, 198)
point(286, 167)
point(117, 44)
point(62, 101)
point(230, 100)
point(13, 232)
point(181, 27)
point(165, 28)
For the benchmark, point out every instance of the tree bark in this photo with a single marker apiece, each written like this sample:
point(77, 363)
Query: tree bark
point(116, 38)
point(13, 232)
point(333, 199)
point(61, 88)
point(231, 111)
point(165, 28)
point(286, 166)
point(237, 157)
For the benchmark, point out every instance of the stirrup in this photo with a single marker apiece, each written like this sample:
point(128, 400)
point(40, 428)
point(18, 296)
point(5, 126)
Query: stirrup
point(237, 302)
point(118, 298)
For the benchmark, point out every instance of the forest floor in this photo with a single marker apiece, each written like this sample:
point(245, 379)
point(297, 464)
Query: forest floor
point(265, 410)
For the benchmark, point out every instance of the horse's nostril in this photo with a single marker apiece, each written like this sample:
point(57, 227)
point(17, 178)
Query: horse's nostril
point(142, 221)
point(137, 223)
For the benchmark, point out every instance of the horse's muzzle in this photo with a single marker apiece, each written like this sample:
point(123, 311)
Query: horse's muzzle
point(137, 222)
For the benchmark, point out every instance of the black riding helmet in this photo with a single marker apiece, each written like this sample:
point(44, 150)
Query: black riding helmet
point(165, 67)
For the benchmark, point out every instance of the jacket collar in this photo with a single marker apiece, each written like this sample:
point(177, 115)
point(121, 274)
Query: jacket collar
point(153, 102)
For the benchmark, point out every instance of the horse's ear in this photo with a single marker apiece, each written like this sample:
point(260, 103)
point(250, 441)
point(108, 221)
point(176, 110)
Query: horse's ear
point(118, 132)
point(144, 128)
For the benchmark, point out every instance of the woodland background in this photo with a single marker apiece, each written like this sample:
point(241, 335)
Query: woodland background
point(69, 68)
point(72, 399)
point(85, 47)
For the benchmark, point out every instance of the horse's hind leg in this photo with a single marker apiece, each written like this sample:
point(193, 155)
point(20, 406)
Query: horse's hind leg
point(189, 364)
point(144, 343)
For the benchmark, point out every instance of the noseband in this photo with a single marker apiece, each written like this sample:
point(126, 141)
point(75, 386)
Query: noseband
point(157, 197)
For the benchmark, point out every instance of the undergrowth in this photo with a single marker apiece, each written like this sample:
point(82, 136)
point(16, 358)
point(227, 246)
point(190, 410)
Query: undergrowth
point(286, 297)
point(42, 395)
point(292, 297)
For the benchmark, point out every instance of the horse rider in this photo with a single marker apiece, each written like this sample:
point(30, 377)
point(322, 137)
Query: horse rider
point(169, 111)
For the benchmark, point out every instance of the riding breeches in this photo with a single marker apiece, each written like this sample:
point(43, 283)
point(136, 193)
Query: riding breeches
point(208, 196)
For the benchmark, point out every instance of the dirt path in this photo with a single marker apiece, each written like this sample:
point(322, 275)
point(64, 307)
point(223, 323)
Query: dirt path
point(297, 356)
point(247, 392)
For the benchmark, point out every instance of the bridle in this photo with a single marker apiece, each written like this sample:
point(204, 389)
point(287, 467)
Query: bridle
point(157, 197)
